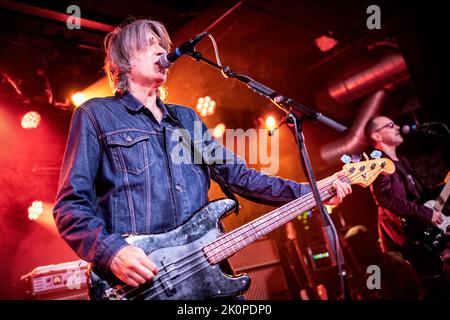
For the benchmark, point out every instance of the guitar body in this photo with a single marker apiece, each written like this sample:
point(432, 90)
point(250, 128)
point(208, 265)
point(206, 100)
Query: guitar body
point(434, 238)
point(184, 273)
point(425, 251)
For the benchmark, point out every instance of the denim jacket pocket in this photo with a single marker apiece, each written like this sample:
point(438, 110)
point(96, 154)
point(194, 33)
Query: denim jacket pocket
point(130, 150)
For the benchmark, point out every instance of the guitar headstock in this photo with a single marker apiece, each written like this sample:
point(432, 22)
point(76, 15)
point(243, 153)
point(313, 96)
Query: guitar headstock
point(363, 173)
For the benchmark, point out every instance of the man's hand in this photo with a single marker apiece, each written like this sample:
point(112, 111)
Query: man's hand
point(342, 190)
point(437, 218)
point(132, 266)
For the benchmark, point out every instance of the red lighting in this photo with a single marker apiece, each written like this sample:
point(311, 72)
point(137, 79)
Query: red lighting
point(31, 120)
point(325, 43)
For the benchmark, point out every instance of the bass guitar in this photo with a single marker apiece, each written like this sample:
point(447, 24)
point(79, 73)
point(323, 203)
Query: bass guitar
point(188, 257)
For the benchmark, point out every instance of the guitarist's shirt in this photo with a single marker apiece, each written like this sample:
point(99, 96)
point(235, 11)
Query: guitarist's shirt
point(123, 172)
point(399, 199)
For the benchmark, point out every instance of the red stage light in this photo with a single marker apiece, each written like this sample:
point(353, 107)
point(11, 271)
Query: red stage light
point(31, 120)
point(325, 43)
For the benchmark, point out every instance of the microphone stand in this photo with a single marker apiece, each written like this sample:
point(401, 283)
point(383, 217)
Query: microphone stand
point(436, 134)
point(296, 113)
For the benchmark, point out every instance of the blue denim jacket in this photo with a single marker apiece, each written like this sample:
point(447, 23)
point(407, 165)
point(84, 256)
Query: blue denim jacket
point(120, 175)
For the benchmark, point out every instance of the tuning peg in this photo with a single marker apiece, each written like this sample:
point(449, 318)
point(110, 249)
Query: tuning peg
point(375, 154)
point(346, 159)
point(365, 156)
point(356, 158)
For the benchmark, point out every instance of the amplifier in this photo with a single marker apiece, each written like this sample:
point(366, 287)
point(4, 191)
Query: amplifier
point(64, 281)
point(259, 254)
point(261, 261)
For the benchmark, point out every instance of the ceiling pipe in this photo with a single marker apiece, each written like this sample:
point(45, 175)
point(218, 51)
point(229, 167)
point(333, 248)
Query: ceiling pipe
point(376, 81)
point(354, 141)
point(389, 69)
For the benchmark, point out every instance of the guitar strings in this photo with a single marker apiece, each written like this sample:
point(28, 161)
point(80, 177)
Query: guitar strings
point(157, 287)
point(161, 274)
point(324, 190)
point(266, 221)
point(191, 270)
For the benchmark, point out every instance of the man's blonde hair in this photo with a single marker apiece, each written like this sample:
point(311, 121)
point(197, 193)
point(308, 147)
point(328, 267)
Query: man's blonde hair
point(124, 41)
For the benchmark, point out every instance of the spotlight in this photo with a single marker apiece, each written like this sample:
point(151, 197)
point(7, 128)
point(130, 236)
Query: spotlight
point(78, 99)
point(35, 210)
point(219, 130)
point(270, 123)
point(31, 120)
point(206, 106)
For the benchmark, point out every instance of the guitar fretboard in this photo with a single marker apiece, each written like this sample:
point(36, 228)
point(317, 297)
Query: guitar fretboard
point(443, 196)
point(228, 244)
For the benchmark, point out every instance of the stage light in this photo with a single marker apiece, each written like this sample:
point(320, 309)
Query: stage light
point(206, 106)
point(270, 123)
point(78, 99)
point(31, 120)
point(325, 43)
point(219, 130)
point(35, 210)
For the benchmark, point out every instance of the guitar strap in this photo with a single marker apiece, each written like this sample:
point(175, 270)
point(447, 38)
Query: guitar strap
point(224, 186)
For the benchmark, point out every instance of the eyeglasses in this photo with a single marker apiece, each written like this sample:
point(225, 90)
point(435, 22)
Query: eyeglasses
point(390, 125)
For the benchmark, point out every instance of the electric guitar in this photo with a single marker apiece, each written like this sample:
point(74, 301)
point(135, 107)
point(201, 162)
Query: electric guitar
point(188, 257)
point(438, 233)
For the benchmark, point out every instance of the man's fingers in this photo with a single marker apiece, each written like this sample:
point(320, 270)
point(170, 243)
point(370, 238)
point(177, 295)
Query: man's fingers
point(137, 277)
point(348, 187)
point(340, 186)
point(144, 271)
point(150, 265)
point(129, 280)
point(339, 174)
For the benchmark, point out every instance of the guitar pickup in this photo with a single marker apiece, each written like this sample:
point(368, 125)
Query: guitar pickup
point(168, 274)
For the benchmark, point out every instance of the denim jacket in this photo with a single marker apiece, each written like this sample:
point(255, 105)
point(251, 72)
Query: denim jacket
point(121, 174)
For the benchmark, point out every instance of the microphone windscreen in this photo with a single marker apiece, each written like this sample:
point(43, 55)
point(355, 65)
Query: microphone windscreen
point(406, 129)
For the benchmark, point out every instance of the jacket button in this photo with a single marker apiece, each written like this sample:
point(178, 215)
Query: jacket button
point(129, 139)
point(178, 187)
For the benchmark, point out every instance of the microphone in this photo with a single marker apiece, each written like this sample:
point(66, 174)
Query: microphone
point(417, 127)
point(166, 60)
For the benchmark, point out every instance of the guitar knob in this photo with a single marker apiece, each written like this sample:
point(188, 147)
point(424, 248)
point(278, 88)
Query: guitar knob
point(365, 156)
point(376, 154)
point(435, 243)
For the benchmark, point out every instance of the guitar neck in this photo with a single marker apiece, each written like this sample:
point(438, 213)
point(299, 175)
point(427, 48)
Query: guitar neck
point(443, 196)
point(228, 244)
